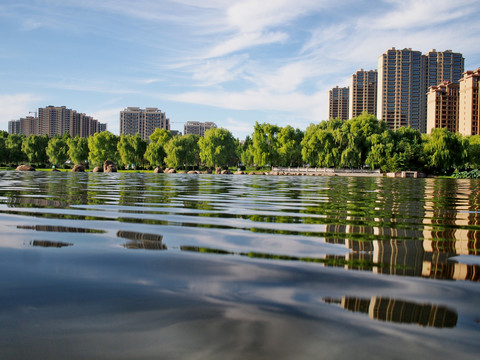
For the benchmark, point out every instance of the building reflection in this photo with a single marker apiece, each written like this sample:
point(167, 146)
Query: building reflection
point(439, 225)
point(49, 244)
point(54, 228)
point(399, 311)
point(144, 241)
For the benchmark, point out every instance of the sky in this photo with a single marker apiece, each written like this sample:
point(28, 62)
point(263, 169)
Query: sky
point(227, 61)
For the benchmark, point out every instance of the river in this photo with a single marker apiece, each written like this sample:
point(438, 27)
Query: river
point(177, 266)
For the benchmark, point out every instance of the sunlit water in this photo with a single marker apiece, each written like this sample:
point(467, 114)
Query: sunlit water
point(149, 266)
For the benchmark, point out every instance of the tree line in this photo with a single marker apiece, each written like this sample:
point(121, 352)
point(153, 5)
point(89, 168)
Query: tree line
point(356, 143)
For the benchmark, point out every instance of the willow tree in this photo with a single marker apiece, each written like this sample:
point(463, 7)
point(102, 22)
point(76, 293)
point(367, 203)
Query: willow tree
point(103, 146)
point(217, 148)
point(57, 150)
point(78, 150)
point(182, 151)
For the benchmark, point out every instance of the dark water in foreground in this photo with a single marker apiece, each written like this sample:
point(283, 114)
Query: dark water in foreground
point(148, 266)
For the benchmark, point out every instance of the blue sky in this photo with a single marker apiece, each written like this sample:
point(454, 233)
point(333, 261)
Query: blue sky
point(230, 62)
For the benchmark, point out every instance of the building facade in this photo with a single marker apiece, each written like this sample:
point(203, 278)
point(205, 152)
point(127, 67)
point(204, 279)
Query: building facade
point(198, 128)
point(363, 93)
point(404, 77)
point(442, 107)
point(401, 89)
point(338, 100)
point(134, 120)
point(469, 103)
point(56, 120)
point(443, 66)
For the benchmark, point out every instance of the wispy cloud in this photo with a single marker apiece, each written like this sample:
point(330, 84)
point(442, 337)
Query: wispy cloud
point(15, 106)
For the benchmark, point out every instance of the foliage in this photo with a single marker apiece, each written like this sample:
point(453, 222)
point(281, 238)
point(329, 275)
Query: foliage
point(14, 149)
point(34, 147)
point(245, 151)
point(132, 149)
point(155, 153)
point(57, 150)
point(474, 151)
point(217, 148)
point(78, 149)
point(290, 146)
point(182, 151)
point(472, 174)
point(103, 146)
point(445, 151)
point(264, 145)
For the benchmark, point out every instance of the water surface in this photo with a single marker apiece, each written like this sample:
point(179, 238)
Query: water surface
point(150, 266)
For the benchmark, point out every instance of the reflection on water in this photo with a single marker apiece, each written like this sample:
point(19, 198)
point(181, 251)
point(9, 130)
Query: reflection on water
point(255, 262)
point(142, 241)
point(46, 243)
point(52, 228)
point(387, 309)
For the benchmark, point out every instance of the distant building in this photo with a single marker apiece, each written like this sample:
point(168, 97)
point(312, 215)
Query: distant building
point(443, 107)
point(26, 126)
point(198, 128)
point(363, 93)
point(401, 89)
point(56, 120)
point(469, 103)
point(404, 77)
point(134, 120)
point(443, 66)
point(338, 103)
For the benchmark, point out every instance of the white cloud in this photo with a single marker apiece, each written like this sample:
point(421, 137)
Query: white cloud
point(16, 106)
point(411, 14)
point(111, 117)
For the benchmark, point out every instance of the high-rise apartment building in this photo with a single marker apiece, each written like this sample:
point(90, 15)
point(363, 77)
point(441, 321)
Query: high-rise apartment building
point(442, 107)
point(469, 103)
point(443, 66)
point(196, 127)
point(363, 93)
point(56, 120)
point(338, 103)
point(134, 120)
point(26, 126)
point(404, 77)
point(401, 89)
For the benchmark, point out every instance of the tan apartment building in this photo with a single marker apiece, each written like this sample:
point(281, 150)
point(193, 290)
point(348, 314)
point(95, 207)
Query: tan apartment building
point(401, 89)
point(363, 93)
point(134, 120)
point(469, 103)
point(197, 127)
point(404, 77)
point(338, 103)
point(26, 126)
point(56, 120)
point(442, 107)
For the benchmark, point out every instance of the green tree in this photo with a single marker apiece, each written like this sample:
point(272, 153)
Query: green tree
point(14, 149)
point(217, 147)
point(474, 151)
point(445, 151)
point(265, 144)
point(132, 149)
point(245, 151)
point(57, 150)
point(358, 132)
point(155, 153)
point(182, 151)
point(322, 144)
point(290, 146)
point(3, 150)
point(78, 150)
point(103, 146)
point(34, 147)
